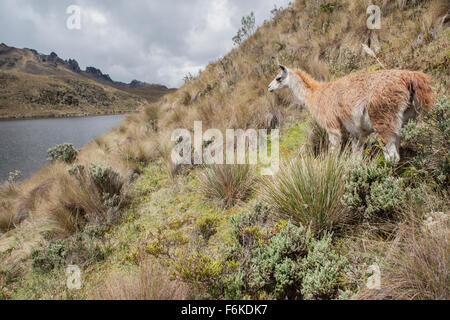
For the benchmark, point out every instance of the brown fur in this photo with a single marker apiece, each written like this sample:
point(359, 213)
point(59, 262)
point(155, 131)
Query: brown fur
point(390, 97)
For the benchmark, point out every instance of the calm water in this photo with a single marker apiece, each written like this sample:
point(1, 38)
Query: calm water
point(24, 143)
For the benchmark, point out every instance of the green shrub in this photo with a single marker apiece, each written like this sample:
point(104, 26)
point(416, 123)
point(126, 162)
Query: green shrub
point(199, 268)
point(243, 224)
point(426, 147)
point(207, 227)
point(327, 7)
point(97, 194)
point(282, 261)
point(107, 181)
point(371, 190)
point(87, 247)
point(77, 171)
point(385, 196)
point(65, 153)
point(53, 256)
point(247, 29)
point(228, 184)
point(307, 190)
point(321, 270)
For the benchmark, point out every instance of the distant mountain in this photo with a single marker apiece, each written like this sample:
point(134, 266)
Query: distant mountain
point(34, 84)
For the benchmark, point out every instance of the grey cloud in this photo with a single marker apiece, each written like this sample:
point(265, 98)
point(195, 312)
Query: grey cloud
point(153, 41)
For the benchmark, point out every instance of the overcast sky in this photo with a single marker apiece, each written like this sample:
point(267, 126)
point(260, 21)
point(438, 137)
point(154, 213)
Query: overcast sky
point(157, 41)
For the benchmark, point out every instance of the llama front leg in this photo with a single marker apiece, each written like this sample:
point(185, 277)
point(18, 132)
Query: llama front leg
point(392, 149)
point(335, 138)
point(358, 142)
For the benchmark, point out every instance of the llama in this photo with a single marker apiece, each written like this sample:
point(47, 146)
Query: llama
point(382, 102)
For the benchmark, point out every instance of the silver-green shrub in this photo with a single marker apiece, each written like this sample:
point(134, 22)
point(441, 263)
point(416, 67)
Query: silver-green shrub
point(371, 190)
point(107, 181)
point(279, 261)
point(64, 152)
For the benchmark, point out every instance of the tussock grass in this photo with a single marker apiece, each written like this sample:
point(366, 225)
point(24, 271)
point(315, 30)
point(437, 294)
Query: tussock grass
point(6, 216)
point(228, 184)
point(418, 261)
point(308, 191)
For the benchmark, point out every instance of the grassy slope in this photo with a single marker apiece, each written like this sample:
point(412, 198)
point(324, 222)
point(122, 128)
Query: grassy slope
point(29, 96)
point(168, 210)
point(32, 88)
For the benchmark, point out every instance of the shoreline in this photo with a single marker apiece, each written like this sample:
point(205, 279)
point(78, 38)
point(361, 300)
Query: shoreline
point(68, 115)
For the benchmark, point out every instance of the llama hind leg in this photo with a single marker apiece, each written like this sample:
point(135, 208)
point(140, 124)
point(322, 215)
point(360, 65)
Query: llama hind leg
point(357, 146)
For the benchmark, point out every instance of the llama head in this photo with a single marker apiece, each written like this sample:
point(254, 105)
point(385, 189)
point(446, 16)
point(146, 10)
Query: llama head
point(281, 81)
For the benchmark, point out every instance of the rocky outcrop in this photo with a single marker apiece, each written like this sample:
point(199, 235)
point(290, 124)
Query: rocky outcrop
point(74, 66)
point(135, 84)
point(97, 73)
point(51, 58)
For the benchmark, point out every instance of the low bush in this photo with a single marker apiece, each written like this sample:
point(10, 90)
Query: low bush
point(372, 191)
point(53, 256)
point(82, 249)
point(107, 181)
point(86, 197)
point(207, 227)
point(87, 247)
point(65, 153)
point(280, 261)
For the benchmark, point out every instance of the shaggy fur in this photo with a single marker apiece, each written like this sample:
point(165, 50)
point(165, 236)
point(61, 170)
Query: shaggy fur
point(381, 102)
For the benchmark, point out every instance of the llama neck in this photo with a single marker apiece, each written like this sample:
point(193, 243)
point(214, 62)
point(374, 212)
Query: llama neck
point(302, 86)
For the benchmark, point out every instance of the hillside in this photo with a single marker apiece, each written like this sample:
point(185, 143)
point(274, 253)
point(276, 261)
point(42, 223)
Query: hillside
point(141, 227)
point(38, 85)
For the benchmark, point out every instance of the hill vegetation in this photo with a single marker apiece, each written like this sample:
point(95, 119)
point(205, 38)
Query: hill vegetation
point(38, 85)
point(141, 227)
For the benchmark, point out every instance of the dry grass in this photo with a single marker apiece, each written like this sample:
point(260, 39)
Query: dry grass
point(419, 261)
point(152, 282)
point(7, 216)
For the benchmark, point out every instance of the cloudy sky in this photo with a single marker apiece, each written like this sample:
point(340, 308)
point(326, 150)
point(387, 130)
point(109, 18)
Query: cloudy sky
point(158, 41)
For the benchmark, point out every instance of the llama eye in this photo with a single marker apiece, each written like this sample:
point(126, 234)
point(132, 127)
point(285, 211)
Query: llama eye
point(279, 79)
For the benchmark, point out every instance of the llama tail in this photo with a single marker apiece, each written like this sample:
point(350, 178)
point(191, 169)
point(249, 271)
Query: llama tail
point(419, 85)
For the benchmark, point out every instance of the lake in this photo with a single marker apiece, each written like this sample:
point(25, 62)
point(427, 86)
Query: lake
point(24, 143)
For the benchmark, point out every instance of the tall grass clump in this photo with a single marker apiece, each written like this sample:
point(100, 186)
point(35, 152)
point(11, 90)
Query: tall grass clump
point(7, 216)
point(419, 261)
point(228, 184)
point(308, 190)
point(86, 196)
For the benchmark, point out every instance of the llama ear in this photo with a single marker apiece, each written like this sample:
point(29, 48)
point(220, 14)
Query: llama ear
point(283, 68)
